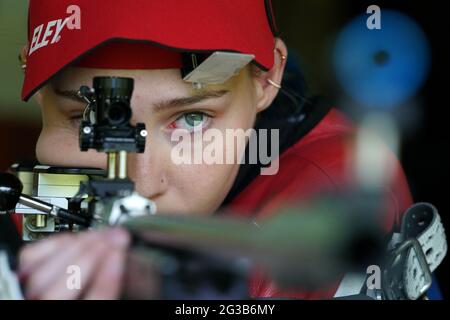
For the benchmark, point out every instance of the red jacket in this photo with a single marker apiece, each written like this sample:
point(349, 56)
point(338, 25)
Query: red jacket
point(318, 162)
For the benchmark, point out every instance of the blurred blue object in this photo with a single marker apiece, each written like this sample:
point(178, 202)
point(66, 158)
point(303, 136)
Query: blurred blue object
point(434, 293)
point(382, 68)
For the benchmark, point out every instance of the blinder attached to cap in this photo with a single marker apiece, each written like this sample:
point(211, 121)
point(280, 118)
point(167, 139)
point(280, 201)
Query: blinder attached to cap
point(216, 68)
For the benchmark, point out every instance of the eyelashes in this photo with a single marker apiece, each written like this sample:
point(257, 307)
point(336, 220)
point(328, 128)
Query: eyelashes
point(192, 121)
point(75, 121)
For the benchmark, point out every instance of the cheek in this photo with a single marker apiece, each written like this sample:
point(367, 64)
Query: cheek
point(60, 148)
point(200, 189)
point(242, 113)
point(235, 130)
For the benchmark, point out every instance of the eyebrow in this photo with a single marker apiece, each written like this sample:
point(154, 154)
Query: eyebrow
point(187, 101)
point(163, 105)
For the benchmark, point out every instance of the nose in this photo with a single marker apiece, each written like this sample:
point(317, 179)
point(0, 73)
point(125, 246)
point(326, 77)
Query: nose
point(148, 174)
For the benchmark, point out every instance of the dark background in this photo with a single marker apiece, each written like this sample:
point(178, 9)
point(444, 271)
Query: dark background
point(309, 28)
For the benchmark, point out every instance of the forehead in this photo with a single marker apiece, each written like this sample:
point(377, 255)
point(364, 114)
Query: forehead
point(160, 81)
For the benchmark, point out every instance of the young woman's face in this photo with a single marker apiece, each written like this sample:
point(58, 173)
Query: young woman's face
point(164, 103)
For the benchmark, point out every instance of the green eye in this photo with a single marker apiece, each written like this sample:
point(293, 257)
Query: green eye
point(192, 121)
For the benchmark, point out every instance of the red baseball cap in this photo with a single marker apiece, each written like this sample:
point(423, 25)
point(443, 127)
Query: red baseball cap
point(70, 32)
